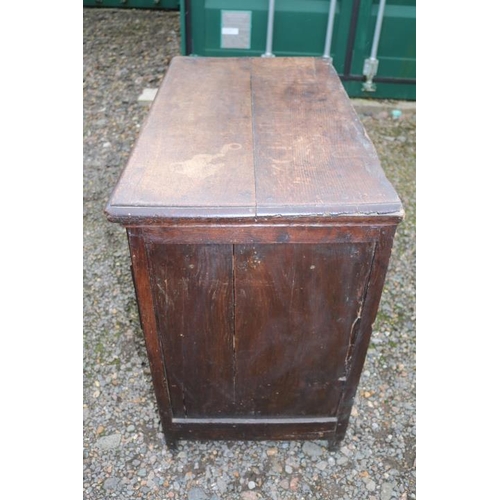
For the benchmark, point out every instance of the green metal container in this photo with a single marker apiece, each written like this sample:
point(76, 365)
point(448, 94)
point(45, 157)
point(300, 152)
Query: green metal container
point(396, 76)
point(229, 28)
point(133, 4)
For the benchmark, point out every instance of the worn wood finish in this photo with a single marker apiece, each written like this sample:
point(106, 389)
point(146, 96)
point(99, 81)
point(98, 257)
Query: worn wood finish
point(260, 227)
point(274, 429)
point(195, 315)
point(361, 333)
point(262, 233)
point(312, 154)
point(145, 299)
point(235, 137)
point(195, 149)
point(289, 296)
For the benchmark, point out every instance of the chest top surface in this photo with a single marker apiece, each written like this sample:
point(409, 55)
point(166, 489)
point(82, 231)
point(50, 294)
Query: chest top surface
point(252, 137)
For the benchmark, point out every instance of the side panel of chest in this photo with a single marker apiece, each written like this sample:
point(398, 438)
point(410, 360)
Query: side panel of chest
point(257, 331)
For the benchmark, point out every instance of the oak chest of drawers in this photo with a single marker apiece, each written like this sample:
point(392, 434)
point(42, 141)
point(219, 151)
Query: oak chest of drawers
point(260, 227)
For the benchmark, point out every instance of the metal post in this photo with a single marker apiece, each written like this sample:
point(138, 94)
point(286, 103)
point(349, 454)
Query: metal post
point(371, 65)
point(329, 30)
point(270, 25)
point(378, 29)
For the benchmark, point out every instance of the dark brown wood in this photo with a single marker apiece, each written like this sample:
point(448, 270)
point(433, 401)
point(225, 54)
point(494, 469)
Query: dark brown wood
point(145, 299)
point(361, 331)
point(260, 227)
point(194, 312)
point(262, 233)
point(295, 305)
point(276, 429)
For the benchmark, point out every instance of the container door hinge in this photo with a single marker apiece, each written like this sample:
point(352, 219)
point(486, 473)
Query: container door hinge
point(370, 68)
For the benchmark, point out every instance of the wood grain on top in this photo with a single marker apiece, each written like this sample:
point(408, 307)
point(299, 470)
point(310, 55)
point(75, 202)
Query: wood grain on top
point(311, 151)
point(195, 149)
point(252, 137)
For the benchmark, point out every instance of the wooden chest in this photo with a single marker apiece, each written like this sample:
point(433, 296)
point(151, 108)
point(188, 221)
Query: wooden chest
point(260, 226)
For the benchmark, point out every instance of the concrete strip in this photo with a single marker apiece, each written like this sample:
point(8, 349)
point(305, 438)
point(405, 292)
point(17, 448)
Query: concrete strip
point(147, 96)
point(377, 105)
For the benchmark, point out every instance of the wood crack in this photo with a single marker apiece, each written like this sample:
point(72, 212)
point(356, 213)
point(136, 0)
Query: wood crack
point(354, 333)
point(353, 337)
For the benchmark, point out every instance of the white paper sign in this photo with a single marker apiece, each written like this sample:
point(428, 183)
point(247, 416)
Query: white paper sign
point(230, 31)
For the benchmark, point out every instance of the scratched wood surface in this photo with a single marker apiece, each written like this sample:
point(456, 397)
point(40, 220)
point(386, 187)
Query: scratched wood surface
point(195, 148)
point(361, 333)
point(145, 298)
point(230, 320)
point(312, 154)
point(193, 293)
point(295, 307)
point(243, 137)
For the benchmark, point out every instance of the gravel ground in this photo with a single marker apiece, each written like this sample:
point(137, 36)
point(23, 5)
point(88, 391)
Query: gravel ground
point(125, 455)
